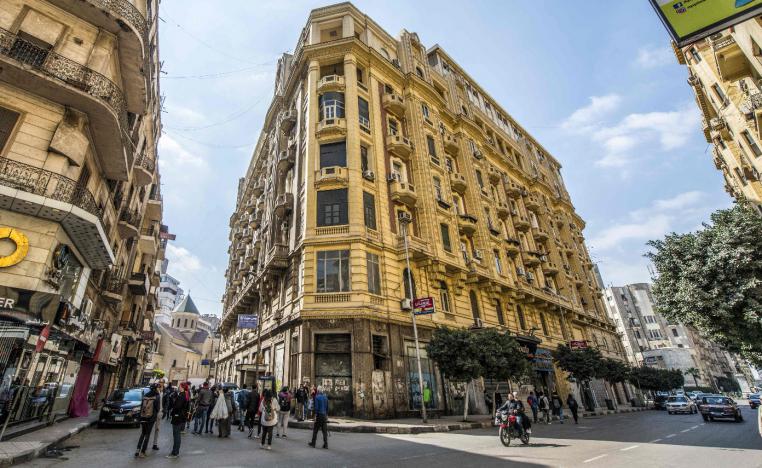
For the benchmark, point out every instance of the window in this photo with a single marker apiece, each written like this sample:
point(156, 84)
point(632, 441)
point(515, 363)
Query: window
point(393, 128)
point(637, 334)
point(369, 209)
point(498, 265)
point(444, 297)
point(425, 111)
point(362, 106)
point(407, 276)
point(333, 271)
point(8, 119)
point(437, 188)
point(474, 306)
point(522, 319)
point(674, 332)
point(185, 323)
point(380, 352)
point(359, 78)
point(364, 158)
point(431, 146)
point(752, 143)
point(649, 318)
point(479, 178)
point(696, 56)
point(332, 207)
point(374, 273)
point(419, 71)
point(333, 154)
point(331, 105)
point(499, 312)
point(544, 324)
point(720, 94)
point(450, 165)
point(444, 229)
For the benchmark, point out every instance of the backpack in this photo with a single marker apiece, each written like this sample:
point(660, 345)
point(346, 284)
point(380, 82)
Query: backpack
point(146, 410)
point(284, 401)
point(268, 413)
point(544, 402)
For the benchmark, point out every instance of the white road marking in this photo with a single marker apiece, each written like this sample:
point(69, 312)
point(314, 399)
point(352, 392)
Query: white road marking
point(670, 436)
point(685, 430)
point(655, 440)
point(594, 458)
point(630, 448)
point(694, 427)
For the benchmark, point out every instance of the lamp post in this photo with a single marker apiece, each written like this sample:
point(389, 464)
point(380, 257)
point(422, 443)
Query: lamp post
point(404, 224)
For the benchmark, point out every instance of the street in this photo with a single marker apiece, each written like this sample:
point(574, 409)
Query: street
point(649, 438)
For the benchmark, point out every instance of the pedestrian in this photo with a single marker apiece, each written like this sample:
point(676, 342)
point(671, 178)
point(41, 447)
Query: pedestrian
point(284, 409)
point(320, 404)
point(301, 400)
point(222, 412)
point(498, 400)
point(251, 411)
point(242, 402)
point(544, 405)
point(167, 404)
point(157, 425)
point(571, 402)
point(558, 406)
point(179, 416)
point(203, 400)
point(149, 411)
point(532, 402)
point(311, 404)
point(268, 411)
point(212, 404)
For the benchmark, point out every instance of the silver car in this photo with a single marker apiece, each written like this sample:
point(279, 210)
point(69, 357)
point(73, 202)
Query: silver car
point(681, 404)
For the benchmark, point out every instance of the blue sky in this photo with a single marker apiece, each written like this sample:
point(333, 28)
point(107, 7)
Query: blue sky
point(595, 82)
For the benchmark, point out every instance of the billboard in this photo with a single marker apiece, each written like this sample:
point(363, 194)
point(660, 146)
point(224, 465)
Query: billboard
point(690, 20)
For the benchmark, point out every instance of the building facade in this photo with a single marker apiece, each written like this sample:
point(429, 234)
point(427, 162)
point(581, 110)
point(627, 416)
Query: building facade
point(80, 206)
point(724, 72)
point(170, 295)
point(368, 136)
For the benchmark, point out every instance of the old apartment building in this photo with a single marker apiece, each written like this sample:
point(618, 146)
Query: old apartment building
point(80, 205)
point(724, 72)
point(366, 134)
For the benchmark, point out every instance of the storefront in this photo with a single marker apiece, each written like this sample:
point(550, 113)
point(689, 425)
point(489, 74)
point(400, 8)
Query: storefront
point(429, 393)
point(333, 370)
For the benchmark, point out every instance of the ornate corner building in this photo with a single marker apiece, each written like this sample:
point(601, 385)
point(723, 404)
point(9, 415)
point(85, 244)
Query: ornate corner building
point(367, 133)
point(724, 72)
point(79, 183)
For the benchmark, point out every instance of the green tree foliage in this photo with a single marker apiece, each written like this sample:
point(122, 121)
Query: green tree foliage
point(455, 353)
point(712, 279)
point(654, 379)
point(613, 370)
point(582, 364)
point(695, 373)
point(500, 355)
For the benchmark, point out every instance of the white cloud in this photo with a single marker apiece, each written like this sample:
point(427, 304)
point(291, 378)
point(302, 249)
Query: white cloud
point(581, 119)
point(654, 57)
point(175, 155)
point(181, 260)
point(185, 115)
point(616, 234)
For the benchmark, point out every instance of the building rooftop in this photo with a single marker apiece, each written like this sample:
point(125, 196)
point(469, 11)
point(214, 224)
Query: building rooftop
point(187, 306)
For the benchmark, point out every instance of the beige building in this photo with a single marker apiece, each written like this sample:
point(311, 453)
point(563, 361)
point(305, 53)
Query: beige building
point(724, 72)
point(80, 206)
point(368, 133)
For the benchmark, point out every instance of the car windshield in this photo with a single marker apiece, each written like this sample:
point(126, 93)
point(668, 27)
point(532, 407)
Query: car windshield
point(134, 394)
point(716, 401)
point(677, 399)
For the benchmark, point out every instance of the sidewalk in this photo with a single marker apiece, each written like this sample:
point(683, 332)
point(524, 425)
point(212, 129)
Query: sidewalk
point(33, 444)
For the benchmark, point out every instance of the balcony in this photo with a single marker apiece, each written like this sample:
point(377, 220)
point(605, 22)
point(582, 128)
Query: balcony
point(540, 234)
point(418, 248)
point(467, 223)
point(531, 258)
point(731, 61)
point(284, 204)
point(458, 182)
point(494, 174)
point(139, 284)
point(71, 84)
point(502, 209)
point(286, 159)
point(149, 240)
point(331, 128)
point(513, 189)
point(129, 224)
point(403, 192)
point(512, 246)
point(399, 145)
point(333, 175)
point(450, 143)
point(258, 188)
point(532, 202)
point(394, 103)
point(330, 83)
point(287, 120)
point(719, 125)
point(37, 192)
point(246, 234)
point(521, 222)
point(112, 287)
point(277, 257)
point(154, 206)
point(143, 170)
point(550, 268)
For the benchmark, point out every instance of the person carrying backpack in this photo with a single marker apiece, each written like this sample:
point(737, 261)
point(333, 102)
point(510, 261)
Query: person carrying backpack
point(284, 404)
point(149, 411)
point(268, 410)
point(558, 406)
point(544, 407)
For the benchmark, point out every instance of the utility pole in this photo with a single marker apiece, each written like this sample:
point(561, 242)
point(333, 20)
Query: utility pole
point(404, 224)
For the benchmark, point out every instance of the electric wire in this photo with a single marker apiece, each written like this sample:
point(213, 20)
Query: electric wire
point(210, 76)
point(230, 118)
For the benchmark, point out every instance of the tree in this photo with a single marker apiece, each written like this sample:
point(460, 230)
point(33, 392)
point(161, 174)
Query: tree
point(456, 354)
point(500, 356)
point(613, 370)
point(695, 373)
point(712, 279)
point(582, 364)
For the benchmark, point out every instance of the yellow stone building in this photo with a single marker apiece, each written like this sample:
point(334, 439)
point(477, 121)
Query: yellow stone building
point(365, 133)
point(79, 124)
point(724, 72)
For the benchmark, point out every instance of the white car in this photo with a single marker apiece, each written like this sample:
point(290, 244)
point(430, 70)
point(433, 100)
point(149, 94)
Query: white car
point(681, 404)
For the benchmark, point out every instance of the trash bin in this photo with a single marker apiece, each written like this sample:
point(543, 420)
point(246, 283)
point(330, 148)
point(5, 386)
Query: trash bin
point(609, 404)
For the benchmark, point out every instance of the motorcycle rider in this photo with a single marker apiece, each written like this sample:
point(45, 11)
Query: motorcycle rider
point(514, 404)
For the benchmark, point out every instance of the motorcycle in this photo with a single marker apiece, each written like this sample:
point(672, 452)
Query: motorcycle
point(507, 428)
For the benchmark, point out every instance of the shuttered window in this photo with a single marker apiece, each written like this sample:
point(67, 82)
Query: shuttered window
point(8, 119)
point(369, 208)
point(332, 207)
point(333, 154)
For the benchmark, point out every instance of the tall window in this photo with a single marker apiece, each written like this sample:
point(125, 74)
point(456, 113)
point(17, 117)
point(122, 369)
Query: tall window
point(522, 319)
point(444, 298)
point(432, 147)
point(749, 141)
point(425, 111)
point(362, 106)
point(406, 283)
point(332, 207)
point(445, 231)
point(438, 188)
point(479, 179)
point(369, 209)
point(331, 105)
point(498, 265)
point(474, 305)
point(364, 165)
point(720, 94)
point(393, 127)
point(8, 119)
point(333, 271)
point(450, 164)
point(544, 325)
point(499, 312)
point(333, 154)
point(374, 273)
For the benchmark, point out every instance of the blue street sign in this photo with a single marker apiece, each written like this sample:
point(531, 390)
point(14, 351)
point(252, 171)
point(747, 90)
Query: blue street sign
point(248, 321)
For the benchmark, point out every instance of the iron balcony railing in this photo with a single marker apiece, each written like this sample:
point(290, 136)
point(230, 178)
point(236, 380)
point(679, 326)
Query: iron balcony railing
point(130, 217)
point(114, 281)
point(146, 162)
point(66, 70)
point(48, 184)
point(125, 10)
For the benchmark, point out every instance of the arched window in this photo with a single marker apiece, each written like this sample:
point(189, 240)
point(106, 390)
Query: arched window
point(444, 298)
point(522, 320)
point(499, 312)
point(474, 305)
point(406, 280)
point(185, 323)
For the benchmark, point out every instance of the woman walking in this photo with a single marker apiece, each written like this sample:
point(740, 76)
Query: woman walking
point(571, 402)
point(221, 412)
point(179, 416)
point(268, 409)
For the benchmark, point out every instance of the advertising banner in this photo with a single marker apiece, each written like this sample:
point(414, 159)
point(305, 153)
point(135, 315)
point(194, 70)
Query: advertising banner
point(423, 306)
point(578, 344)
point(247, 321)
point(690, 20)
point(25, 305)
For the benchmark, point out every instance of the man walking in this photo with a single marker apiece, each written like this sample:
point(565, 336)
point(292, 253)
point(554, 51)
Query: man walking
point(544, 405)
point(203, 400)
point(571, 402)
point(178, 415)
point(558, 406)
point(284, 409)
point(149, 411)
point(320, 406)
point(242, 400)
point(162, 411)
point(532, 402)
point(301, 399)
point(209, 420)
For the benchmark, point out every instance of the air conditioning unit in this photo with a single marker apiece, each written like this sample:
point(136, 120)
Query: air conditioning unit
point(394, 177)
point(369, 175)
point(520, 271)
point(405, 304)
point(530, 277)
point(404, 217)
point(478, 323)
point(478, 254)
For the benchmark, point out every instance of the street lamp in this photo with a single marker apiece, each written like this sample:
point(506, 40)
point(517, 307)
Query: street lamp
point(404, 222)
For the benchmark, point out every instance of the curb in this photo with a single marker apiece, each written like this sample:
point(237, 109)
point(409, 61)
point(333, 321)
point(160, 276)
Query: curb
point(42, 447)
point(391, 429)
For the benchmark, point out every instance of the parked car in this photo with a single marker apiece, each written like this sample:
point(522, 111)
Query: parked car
point(122, 407)
point(660, 402)
point(754, 400)
point(720, 407)
point(681, 404)
point(700, 399)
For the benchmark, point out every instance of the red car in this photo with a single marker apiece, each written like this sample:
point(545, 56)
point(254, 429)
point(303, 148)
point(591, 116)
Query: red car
point(720, 407)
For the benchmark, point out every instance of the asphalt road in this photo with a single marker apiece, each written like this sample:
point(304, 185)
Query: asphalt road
point(643, 439)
